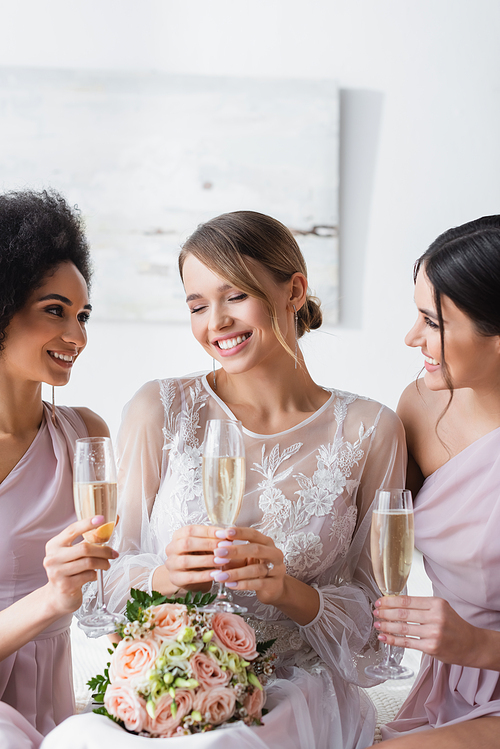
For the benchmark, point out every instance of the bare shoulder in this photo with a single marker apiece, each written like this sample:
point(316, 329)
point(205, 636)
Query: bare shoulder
point(420, 409)
point(418, 406)
point(96, 426)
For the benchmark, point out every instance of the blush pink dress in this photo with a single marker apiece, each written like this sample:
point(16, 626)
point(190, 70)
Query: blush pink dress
point(36, 503)
point(457, 528)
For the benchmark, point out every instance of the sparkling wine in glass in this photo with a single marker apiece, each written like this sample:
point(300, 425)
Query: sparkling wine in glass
point(223, 486)
point(391, 552)
point(95, 493)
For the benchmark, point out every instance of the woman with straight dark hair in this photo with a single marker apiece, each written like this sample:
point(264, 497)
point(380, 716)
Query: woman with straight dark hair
point(298, 559)
point(452, 420)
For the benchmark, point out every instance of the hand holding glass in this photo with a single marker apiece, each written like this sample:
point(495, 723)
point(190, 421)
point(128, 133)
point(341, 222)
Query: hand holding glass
point(95, 493)
point(391, 552)
point(223, 486)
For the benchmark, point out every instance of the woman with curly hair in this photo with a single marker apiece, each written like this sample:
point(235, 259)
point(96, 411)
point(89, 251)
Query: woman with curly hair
point(44, 308)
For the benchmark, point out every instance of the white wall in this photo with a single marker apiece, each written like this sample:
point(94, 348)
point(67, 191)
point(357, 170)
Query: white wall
point(420, 149)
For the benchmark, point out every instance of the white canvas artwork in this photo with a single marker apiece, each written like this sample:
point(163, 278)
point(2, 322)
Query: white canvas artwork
point(147, 157)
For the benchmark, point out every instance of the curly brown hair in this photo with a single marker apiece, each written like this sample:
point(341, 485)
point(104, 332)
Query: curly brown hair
point(38, 231)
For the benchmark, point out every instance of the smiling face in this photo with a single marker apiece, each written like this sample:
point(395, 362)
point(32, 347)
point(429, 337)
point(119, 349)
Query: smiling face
point(232, 326)
point(473, 360)
point(44, 338)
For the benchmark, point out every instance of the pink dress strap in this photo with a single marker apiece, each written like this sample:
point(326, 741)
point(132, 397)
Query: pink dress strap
point(36, 504)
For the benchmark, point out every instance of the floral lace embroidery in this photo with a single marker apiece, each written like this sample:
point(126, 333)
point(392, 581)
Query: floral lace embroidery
point(284, 520)
point(167, 394)
point(181, 438)
point(184, 427)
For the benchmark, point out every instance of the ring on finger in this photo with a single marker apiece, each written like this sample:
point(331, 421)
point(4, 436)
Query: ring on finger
point(270, 567)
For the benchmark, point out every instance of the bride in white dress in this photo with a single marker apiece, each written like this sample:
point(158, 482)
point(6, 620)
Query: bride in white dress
point(314, 458)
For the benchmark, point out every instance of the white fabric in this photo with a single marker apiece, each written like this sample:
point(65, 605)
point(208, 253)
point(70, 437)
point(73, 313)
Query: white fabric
point(310, 488)
point(15, 731)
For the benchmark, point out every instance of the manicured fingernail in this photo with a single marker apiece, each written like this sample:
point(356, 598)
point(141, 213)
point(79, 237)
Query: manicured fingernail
point(219, 576)
point(218, 560)
point(376, 613)
point(115, 554)
point(378, 603)
point(221, 534)
point(97, 520)
point(377, 625)
point(231, 585)
point(382, 638)
point(224, 543)
point(222, 552)
point(231, 532)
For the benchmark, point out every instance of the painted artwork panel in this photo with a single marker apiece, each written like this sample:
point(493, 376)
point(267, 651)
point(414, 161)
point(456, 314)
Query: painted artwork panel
point(147, 157)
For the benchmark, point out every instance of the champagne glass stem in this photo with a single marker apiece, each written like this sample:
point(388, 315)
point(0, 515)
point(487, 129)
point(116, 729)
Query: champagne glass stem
point(101, 606)
point(222, 593)
point(389, 657)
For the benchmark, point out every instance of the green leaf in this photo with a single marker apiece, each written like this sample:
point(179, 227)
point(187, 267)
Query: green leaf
point(132, 611)
point(98, 697)
point(157, 599)
point(262, 647)
point(99, 682)
point(208, 598)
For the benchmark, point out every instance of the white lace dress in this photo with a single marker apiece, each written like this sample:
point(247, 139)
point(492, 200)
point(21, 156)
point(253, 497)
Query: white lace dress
point(310, 489)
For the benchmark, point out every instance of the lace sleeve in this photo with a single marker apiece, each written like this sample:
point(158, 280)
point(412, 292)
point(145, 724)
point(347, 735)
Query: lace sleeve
point(342, 632)
point(140, 455)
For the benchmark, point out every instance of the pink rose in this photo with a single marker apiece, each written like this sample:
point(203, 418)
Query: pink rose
point(207, 671)
point(254, 702)
point(215, 705)
point(170, 620)
point(233, 633)
point(132, 659)
point(121, 701)
point(164, 724)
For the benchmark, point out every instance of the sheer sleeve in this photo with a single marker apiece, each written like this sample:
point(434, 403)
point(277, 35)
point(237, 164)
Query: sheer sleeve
point(140, 455)
point(342, 632)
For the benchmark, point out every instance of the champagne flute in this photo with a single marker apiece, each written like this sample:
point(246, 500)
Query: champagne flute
point(223, 487)
point(391, 552)
point(95, 493)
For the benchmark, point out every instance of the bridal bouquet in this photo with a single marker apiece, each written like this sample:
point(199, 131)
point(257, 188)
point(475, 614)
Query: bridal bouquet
point(180, 670)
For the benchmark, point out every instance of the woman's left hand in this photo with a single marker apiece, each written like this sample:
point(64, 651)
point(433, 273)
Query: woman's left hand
point(441, 632)
point(256, 565)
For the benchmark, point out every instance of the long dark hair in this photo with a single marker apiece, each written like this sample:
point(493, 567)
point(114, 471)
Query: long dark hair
point(463, 264)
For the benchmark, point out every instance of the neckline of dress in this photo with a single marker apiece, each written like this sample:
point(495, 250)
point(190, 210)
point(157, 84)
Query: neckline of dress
point(459, 455)
point(276, 434)
point(31, 446)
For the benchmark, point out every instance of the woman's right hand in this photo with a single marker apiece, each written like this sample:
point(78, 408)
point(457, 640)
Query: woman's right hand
point(190, 560)
point(428, 624)
point(69, 565)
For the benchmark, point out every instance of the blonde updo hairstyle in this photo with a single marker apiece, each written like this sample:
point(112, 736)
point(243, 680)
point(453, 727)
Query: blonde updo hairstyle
point(224, 243)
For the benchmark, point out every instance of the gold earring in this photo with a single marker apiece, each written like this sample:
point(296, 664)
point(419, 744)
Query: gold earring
point(296, 324)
